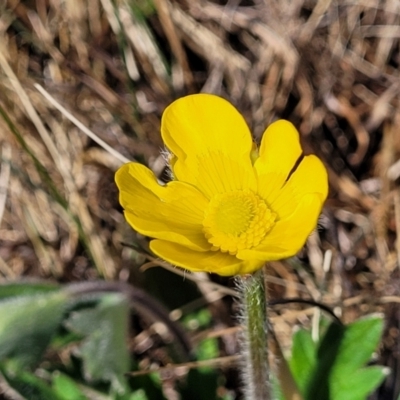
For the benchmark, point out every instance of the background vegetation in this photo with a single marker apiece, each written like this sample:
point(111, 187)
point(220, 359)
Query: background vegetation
point(77, 74)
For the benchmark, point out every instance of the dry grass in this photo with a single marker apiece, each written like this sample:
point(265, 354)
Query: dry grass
point(331, 67)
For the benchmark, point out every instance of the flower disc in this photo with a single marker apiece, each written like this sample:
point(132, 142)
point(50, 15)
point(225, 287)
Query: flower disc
point(237, 220)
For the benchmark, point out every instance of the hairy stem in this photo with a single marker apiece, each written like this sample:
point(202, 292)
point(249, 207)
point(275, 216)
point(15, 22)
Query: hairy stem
point(254, 347)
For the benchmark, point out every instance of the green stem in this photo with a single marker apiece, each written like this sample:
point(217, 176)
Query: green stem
point(254, 346)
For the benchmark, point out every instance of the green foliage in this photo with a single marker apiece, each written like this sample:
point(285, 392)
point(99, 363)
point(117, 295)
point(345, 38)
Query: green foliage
point(66, 388)
point(304, 358)
point(38, 320)
point(208, 349)
point(334, 368)
point(138, 395)
point(19, 289)
point(27, 324)
point(104, 353)
point(29, 385)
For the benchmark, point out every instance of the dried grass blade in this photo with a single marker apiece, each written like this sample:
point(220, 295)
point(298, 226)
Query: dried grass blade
point(79, 124)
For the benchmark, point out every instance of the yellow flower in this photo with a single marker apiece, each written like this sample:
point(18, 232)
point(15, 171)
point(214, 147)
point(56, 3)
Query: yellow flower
point(231, 207)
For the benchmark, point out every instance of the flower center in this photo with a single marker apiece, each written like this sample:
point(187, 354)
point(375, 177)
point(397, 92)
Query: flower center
point(237, 220)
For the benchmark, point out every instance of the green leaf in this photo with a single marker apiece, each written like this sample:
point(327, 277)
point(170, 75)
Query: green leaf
point(29, 386)
point(318, 387)
point(360, 340)
point(337, 371)
point(359, 384)
point(27, 324)
point(104, 351)
point(24, 289)
point(349, 381)
point(138, 395)
point(303, 359)
point(66, 388)
point(207, 350)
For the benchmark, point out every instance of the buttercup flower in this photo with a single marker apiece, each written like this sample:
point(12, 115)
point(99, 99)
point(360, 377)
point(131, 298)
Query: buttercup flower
point(231, 207)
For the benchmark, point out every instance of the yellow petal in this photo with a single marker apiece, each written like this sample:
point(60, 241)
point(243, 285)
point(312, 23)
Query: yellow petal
point(212, 144)
point(280, 149)
point(174, 211)
point(298, 205)
point(288, 236)
point(212, 261)
point(310, 177)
